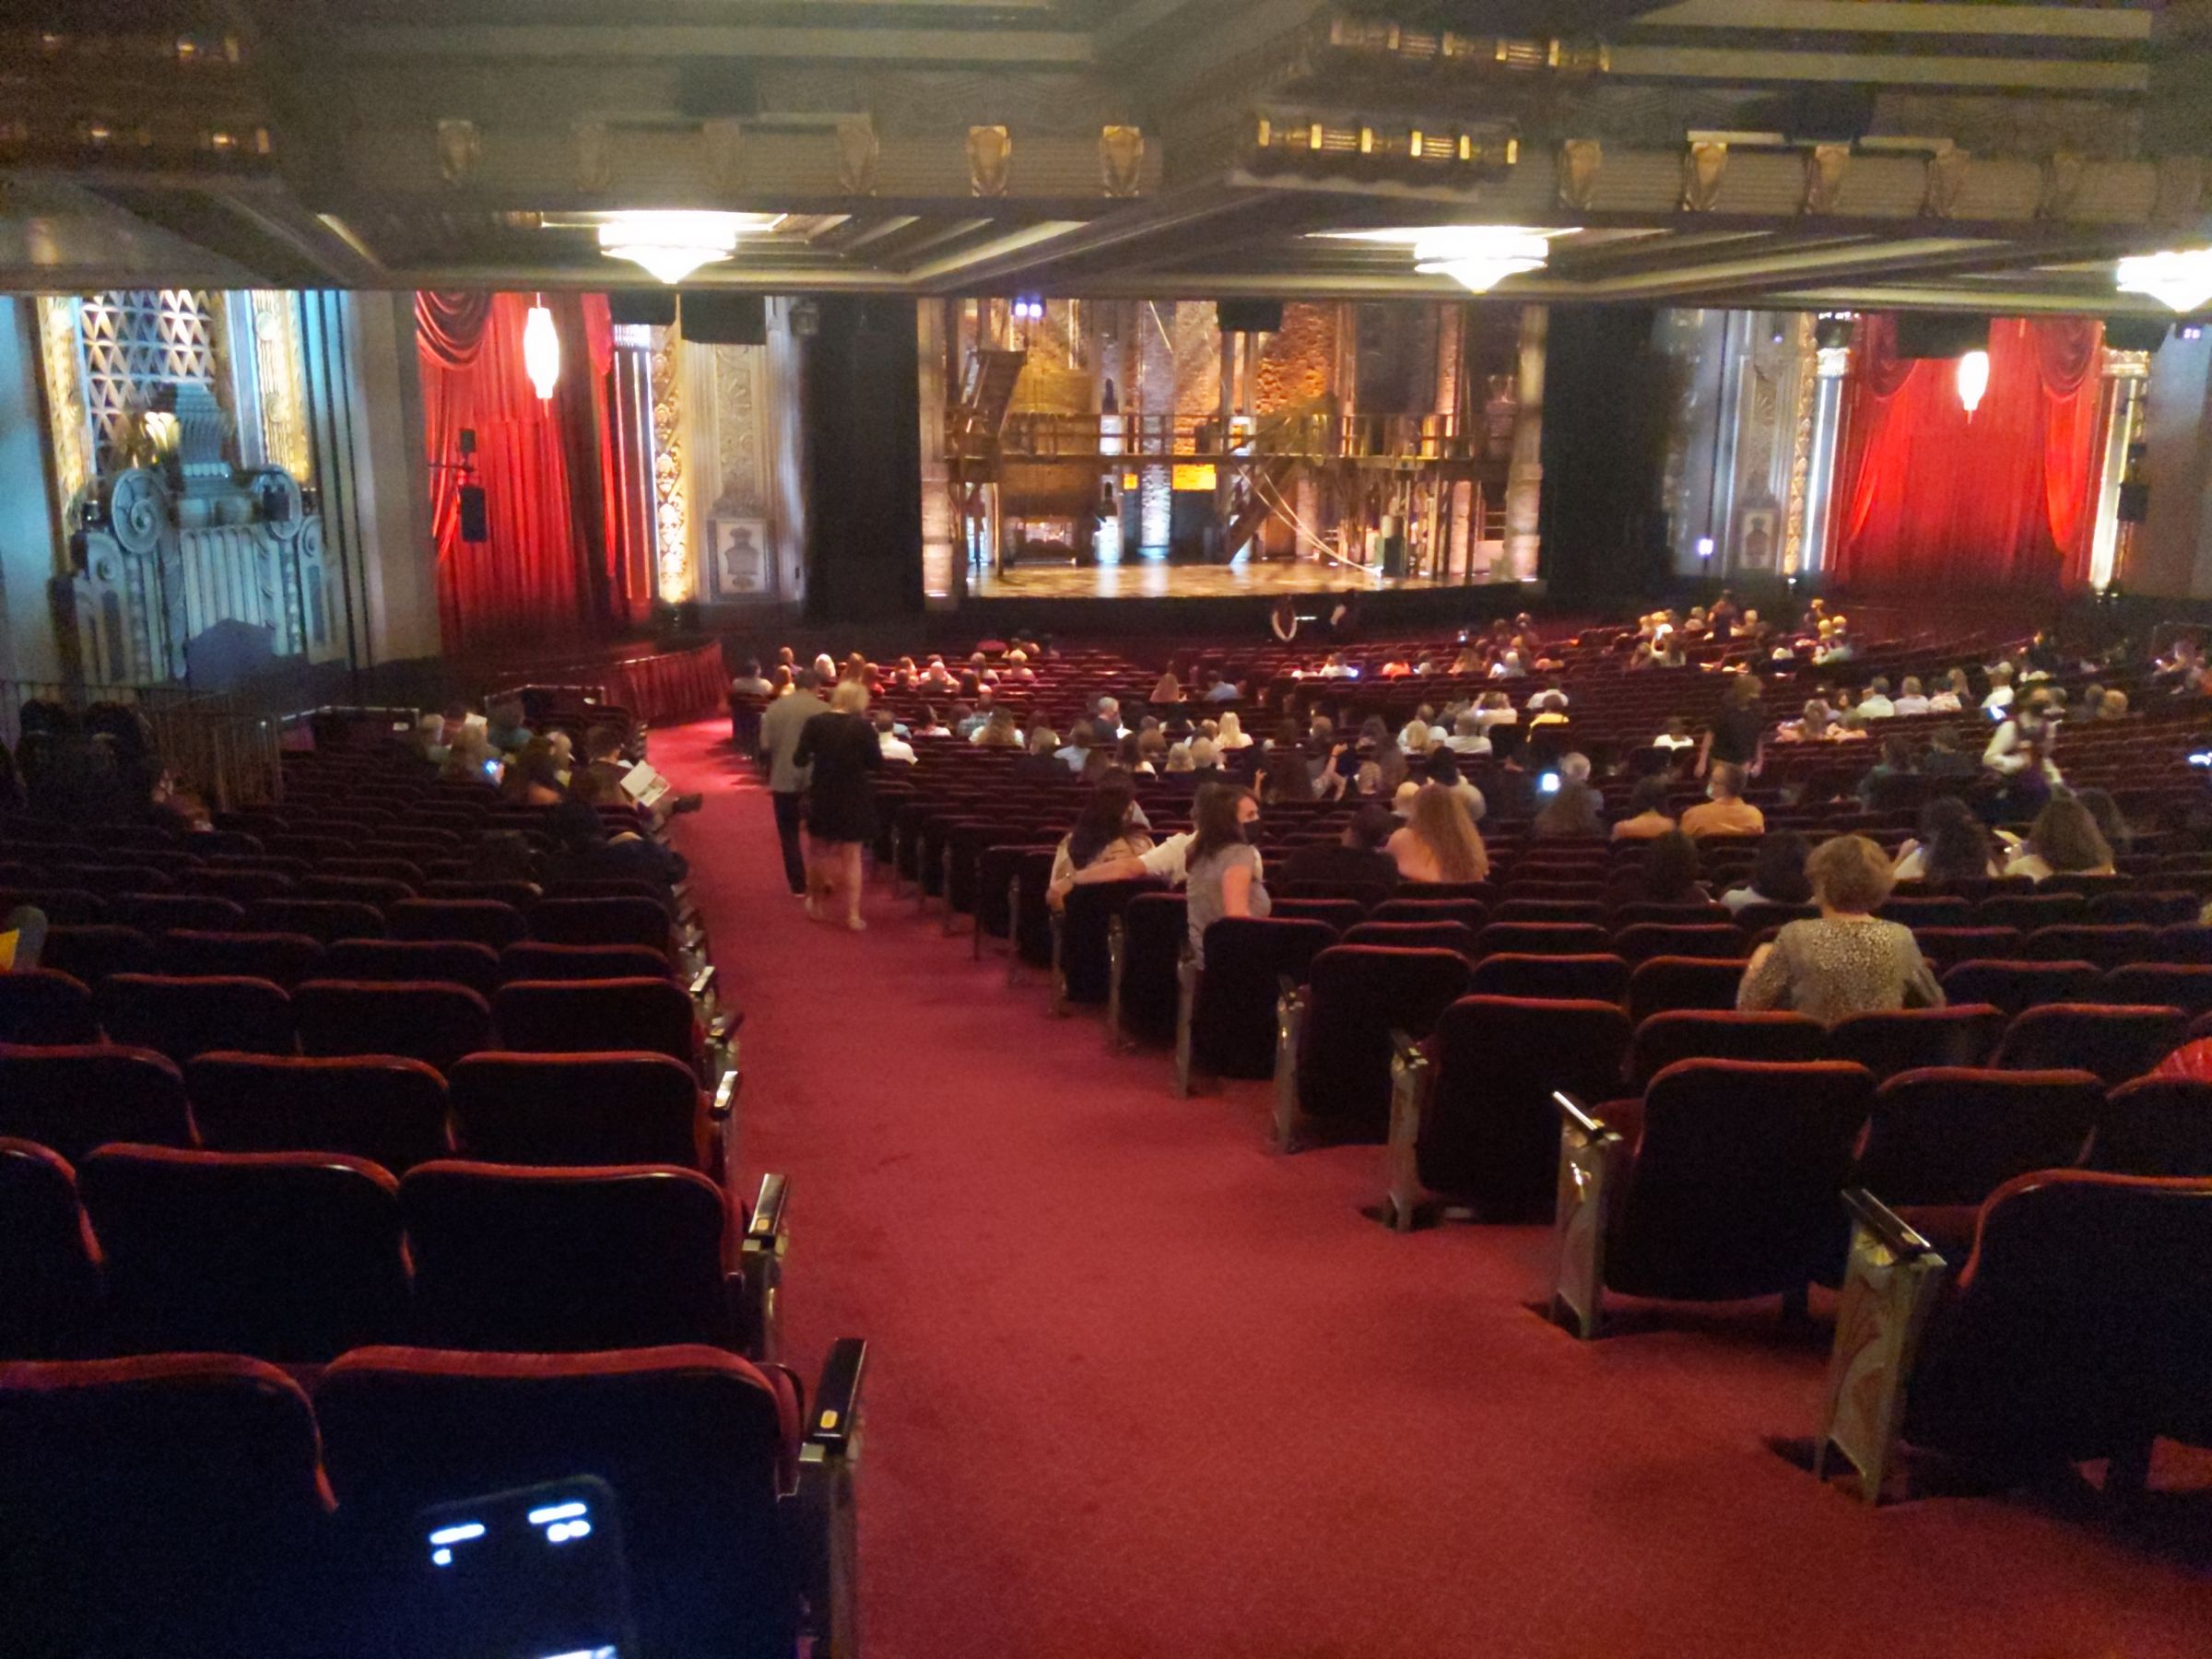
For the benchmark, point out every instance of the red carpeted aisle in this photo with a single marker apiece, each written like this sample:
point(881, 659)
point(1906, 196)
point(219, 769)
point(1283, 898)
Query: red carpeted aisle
point(1140, 1388)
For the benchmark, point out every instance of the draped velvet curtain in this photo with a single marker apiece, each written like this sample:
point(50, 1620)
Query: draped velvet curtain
point(1927, 496)
point(548, 571)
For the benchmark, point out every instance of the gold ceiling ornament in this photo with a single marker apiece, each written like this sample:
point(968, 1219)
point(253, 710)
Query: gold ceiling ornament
point(2062, 174)
point(1946, 170)
point(1704, 162)
point(989, 158)
point(858, 151)
point(2181, 190)
point(460, 147)
point(1825, 165)
point(1580, 159)
point(594, 156)
point(724, 142)
point(1121, 160)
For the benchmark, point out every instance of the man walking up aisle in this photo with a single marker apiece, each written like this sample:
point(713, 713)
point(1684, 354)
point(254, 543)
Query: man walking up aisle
point(780, 729)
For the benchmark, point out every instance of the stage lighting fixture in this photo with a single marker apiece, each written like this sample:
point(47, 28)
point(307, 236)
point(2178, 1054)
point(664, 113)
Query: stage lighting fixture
point(541, 350)
point(1705, 546)
point(1477, 257)
point(2180, 278)
point(1973, 380)
point(674, 244)
point(1027, 308)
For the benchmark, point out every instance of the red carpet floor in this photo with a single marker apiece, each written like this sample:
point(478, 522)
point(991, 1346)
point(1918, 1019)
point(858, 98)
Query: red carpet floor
point(1140, 1388)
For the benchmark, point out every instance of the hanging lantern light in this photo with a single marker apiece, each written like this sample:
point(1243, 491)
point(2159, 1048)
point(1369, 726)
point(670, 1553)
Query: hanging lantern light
point(541, 350)
point(1973, 380)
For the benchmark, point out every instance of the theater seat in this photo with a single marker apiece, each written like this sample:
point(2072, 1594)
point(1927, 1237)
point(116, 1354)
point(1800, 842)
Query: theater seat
point(1082, 972)
point(2077, 1328)
point(625, 920)
point(1226, 1020)
point(1543, 938)
point(1472, 913)
point(324, 919)
point(2116, 1040)
point(2156, 1125)
point(434, 1023)
point(1954, 1135)
point(1333, 1054)
point(1665, 984)
point(288, 1256)
point(1720, 1184)
point(1902, 1040)
point(181, 1017)
point(281, 959)
point(1602, 977)
point(2107, 947)
point(2014, 985)
point(535, 959)
point(565, 1017)
point(91, 953)
point(76, 1096)
point(45, 1005)
point(49, 1264)
point(449, 961)
point(167, 1505)
point(1144, 944)
point(736, 1520)
point(1714, 941)
point(2183, 985)
point(476, 921)
point(1414, 935)
point(553, 1110)
point(1775, 1036)
point(386, 1108)
point(1471, 1112)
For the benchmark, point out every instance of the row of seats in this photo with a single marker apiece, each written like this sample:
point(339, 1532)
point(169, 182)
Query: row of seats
point(632, 919)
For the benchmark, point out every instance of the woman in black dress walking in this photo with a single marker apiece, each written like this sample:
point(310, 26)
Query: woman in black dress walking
point(842, 748)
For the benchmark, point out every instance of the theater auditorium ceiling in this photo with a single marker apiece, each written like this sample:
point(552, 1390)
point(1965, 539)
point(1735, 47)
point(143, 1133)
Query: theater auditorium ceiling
point(1791, 153)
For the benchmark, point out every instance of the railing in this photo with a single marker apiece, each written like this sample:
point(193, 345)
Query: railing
point(1032, 436)
point(221, 746)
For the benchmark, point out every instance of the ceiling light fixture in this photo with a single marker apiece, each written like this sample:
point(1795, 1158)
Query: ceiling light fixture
point(1477, 257)
point(673, 244)
point(1973, 380)
point(2180, 278)
point(541, 350)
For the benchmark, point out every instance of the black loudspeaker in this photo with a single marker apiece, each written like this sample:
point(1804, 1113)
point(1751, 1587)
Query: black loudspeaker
point(475, 523)
point(726, 319)
point(1940, 334)
point(1249, 316)
point(2135, 333)
point(643, 308)
point(2134, 503)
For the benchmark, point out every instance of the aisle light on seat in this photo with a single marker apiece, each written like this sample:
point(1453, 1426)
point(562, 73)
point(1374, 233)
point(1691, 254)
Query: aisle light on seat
point(1973, 380)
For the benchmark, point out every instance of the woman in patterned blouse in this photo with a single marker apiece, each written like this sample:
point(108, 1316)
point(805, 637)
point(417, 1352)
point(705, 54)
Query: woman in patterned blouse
point(1846, 962)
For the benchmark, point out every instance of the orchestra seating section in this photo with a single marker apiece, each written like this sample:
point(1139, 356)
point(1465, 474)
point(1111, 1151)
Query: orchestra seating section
point(335, 1181)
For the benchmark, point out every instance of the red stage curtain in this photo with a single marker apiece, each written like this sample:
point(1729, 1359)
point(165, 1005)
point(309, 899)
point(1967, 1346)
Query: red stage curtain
point(554, 542)
point(1926, 495)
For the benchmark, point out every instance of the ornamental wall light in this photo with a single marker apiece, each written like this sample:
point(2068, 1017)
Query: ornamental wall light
point(2180, 278)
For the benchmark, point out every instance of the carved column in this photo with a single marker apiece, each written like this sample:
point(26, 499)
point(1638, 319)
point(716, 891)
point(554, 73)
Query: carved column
point(1525, 476)
point(1156, 404)
point(2125, 375)
point(1830, 372)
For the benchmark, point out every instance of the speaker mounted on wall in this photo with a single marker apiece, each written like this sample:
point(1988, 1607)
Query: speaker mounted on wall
point(2135, 333)
point(2134, 503)
point(475, 519)
point(1940, 333)
point(726, 319)
point(1249, 316)
point(642, 308)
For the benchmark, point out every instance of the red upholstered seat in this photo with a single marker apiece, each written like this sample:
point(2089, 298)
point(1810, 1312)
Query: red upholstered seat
point(2156, 1125)
point(2157, 909)
point(1414, 935)
point(281, 959)
point(388, 1110)
point(1665, 984)
point(1708, 1034)
point(1337, 914)
point(178, 912)
point(2116, 1040)
point(1543, 938)
point(1489, 1134)
point(568, 1260)
point(422, 1020)
point(92, 952)
point(2028, 911)
point(1153, 929)
point(156, 1505)
point(2183, 985)
point(550, 1110)
point(1902, 1040)
point(288, 1256)
point(450, 961)
point(76, 1096)
point(48, 1264)
point(2107, 947)
point(1954, 1135)
point(45, 1005)
point(1356, 996)
point(566, 1017)
point(1471, 912)
point(1232, 1020)
point(1602, 977)
point(478, 921)
point(2014, 985)
point(2185, 942)
point(181, 1017)
point(613, 921)
point(1946, 947)
point(533, 959)
point(323, 919)
point(698, 1442)
point(1715, 941)
point(1080, 946)
point(1514, 908)
point(1935, 910)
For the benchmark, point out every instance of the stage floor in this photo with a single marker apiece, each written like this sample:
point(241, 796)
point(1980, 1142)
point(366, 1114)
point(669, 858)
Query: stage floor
point(1157, 579)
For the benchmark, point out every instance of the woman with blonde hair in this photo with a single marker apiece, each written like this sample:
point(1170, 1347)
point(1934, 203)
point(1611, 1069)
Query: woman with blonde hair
point(1231, 735)
point(842, 746)
point(1439, 842)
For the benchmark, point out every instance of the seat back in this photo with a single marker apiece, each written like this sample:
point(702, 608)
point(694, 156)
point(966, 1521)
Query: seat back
point(290, 1257)
point(91, 952)
point(1489, 1134)
point(386, 1108)
point(1083, 923)
point(76, 1096)
point(281, 959)
point(2156, 1125)
point(532, 959)
point(2014, 986)
point(1778, 1038)
point(46, 1006)
point(568, 1017)
point(626, 921)
point(2028, 911)
point(1337, 914)
point(475, 921)
point(1542, 938)
point(1946, 947)
point(421, 1020)
point(1602, 977)
point(1954, 1135)
point(1737, 1177)
point(449, 961)
point(2078, 1326)
point(181, 1017)
point(1902, 1040)
point(2107, 947)
point(1232, 1020)
point(1515, 908)
point(151, 1505)
point(1416, 936)
point(2183, 985)
point(1357, 995)
point(612, 1108)
point(323, 919)
point(49, 1270)
point(1471, 912)
point(1154, 928)
point(2116, 1040)
point(1663, 985)
point(543, 1261)
point(694, 1439)
point(1715, 941)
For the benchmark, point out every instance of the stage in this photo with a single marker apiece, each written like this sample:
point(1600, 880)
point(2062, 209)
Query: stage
point(1162, 579)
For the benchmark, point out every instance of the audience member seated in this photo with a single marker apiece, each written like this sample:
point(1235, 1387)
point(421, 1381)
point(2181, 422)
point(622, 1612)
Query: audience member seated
point(1952, 846)
point(1106, 830)
point(1572, 811)
point(585, 851)
point(2063, 840)
point(1943, 762)
point(1778, 877)
point(1726, 812)
point(1439, 841)
point(1669, 873)
point(1357, 858)
point(1846, 961)
point(1888, 779)
point(1649, 817)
